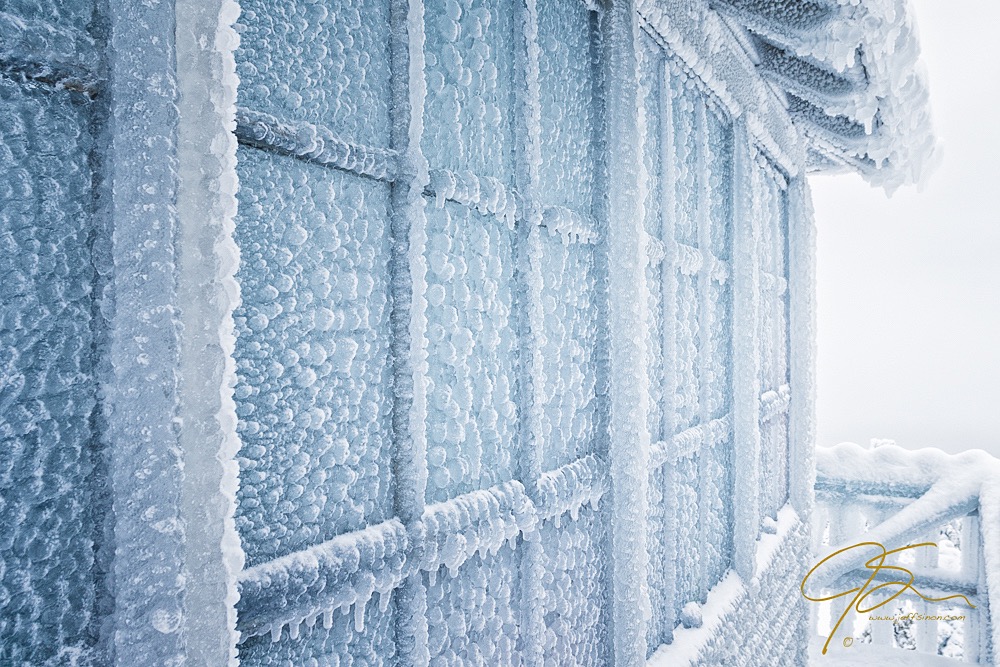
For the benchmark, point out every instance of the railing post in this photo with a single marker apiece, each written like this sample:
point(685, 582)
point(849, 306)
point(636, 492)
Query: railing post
point(927, 631)
point(845, 529)
point(883, 632)
point(973, 568)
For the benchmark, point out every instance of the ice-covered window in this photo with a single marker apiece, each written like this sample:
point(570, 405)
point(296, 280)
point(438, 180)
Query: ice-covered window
point(316, 377)
point(315, 385)
point(771, 207)
point(50, 463)
point(474, 392)
point(574, 546)
point(689, 154)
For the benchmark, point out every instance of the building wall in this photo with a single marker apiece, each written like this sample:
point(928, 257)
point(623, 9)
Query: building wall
point(51, 472)
point(509, 337)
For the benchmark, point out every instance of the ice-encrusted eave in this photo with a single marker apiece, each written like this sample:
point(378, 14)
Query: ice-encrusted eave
point(708, 46)
point(856, 60)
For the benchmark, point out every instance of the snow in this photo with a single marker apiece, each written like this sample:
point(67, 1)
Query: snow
point(735, 605)
point(892, 465)
point(463, 339)
point(896, 93)
point(939, 492)
point(859, 655)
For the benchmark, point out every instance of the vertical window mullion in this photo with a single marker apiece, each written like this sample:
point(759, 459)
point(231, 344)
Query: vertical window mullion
point(407, 318)
point(626, 243)
point(528, 251)
point(705, 321)
point(668, 292)
point(746, 354)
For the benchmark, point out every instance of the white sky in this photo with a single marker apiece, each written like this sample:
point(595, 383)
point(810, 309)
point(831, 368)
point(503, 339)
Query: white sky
point(909, 287)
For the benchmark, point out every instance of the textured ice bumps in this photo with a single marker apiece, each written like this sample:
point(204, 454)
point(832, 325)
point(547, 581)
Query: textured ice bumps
point(314, 375)
point(50, 476)
point(311, 354)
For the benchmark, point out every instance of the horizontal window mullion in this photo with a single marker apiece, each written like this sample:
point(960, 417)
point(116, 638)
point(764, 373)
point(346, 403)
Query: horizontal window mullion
point(774, 402)
point(62, 57)
point(690, 441)
point(344, 571)
point(313, 143)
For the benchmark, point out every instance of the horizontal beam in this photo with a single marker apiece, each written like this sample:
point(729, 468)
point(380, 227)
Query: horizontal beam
point(567, 489)
point(691, 261)
point(927, 581)
point(486, 194)
point(837, 486)
point(319, 145)
point(690, 441)
point(59, 56)
point(313, 143)
point(345, 572)
point(571, 225)
point(775, 402)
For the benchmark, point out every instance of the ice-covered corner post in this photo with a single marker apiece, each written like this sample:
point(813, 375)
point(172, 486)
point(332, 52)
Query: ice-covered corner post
point(207, 293)
point(629, 447)
point(171, 420)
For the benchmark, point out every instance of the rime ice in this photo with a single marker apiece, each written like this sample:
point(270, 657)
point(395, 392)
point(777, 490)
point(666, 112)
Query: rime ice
point(421, 332)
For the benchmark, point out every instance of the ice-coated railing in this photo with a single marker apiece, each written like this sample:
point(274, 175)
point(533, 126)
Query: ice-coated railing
point(897, 497)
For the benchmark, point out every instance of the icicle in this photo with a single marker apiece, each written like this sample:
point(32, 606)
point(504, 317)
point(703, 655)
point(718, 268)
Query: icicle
point(275, 631)
point(328, 619)
point(359, 616)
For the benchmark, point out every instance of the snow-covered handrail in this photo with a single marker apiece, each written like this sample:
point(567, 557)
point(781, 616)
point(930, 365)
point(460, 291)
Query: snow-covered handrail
point(924, 489)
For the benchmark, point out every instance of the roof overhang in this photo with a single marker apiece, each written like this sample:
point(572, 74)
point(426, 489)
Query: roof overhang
point(850, 74)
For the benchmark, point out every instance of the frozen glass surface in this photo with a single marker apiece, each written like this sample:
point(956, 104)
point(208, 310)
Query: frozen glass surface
point(311, 353)
point(50, 472)
point(321, 62)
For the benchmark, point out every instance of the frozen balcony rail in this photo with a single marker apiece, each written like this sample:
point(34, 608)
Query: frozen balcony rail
point(897, 497)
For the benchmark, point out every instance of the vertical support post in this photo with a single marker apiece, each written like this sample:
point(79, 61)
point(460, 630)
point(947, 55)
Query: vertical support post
point(141, 383)
point(802, 346)
point(207, 293)
point(408, 319)
point(972, 569)
point(531, 321)
point(706, 319)
point(627, 310)
point(746, 353)
point(927, 631)
point(668, 293)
